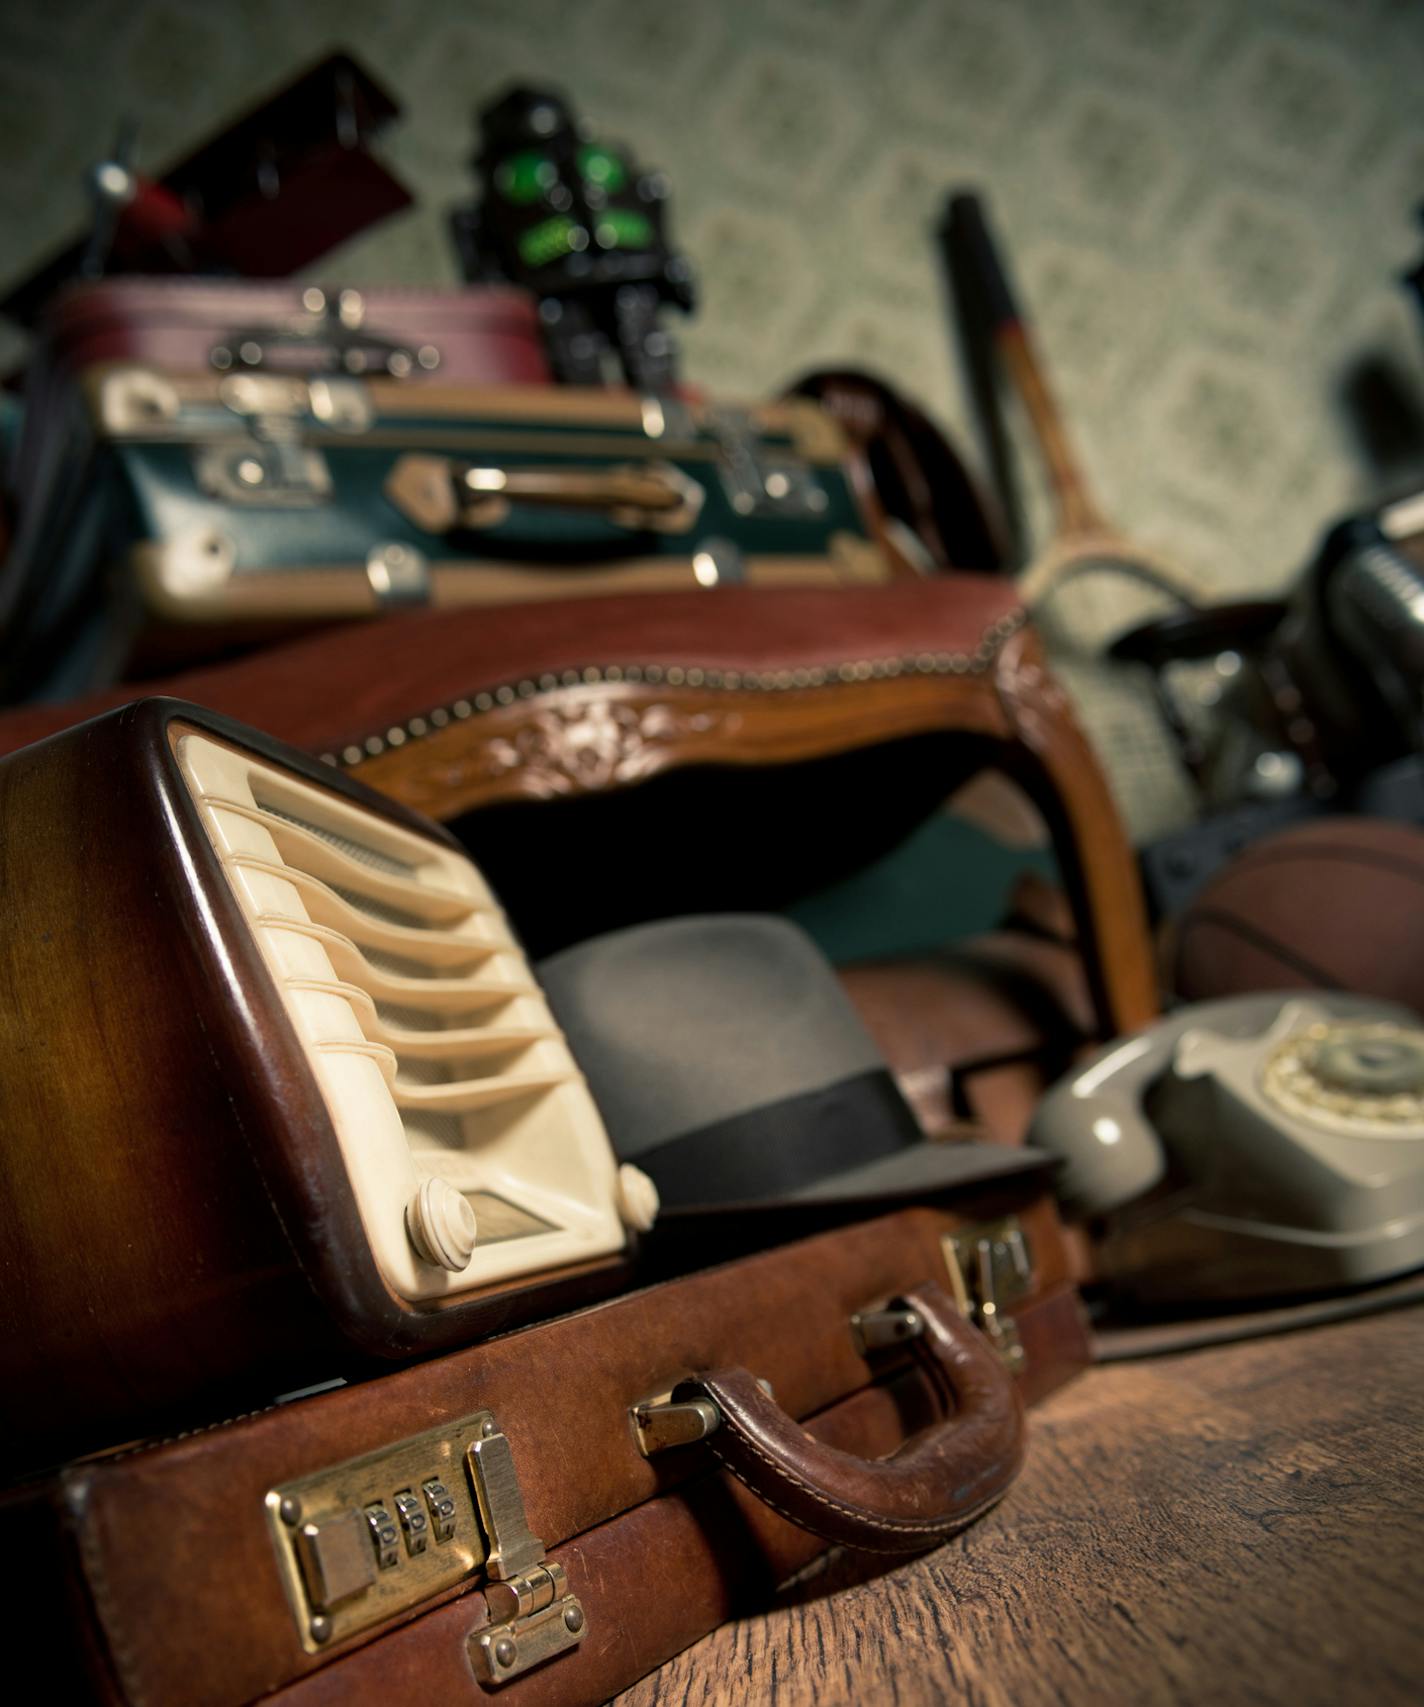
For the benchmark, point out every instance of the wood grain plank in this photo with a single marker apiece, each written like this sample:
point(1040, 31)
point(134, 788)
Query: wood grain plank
point(1239, 1525)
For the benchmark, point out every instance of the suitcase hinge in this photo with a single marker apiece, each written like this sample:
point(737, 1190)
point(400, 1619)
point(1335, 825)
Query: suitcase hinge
point(989, 1268)
point(533, 1616)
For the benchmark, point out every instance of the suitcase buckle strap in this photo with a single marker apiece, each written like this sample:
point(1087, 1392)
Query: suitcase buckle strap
point(533, 1616)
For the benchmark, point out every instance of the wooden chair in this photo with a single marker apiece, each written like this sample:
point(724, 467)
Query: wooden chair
point(459, 713)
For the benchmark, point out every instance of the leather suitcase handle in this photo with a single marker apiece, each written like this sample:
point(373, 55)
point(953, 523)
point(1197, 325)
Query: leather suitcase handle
point(930, 1489)
point(441, 495)
point(646, 490)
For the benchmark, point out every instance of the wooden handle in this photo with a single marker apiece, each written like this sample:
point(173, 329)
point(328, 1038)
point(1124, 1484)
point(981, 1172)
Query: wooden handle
point(935, 1486)
point(976, 257)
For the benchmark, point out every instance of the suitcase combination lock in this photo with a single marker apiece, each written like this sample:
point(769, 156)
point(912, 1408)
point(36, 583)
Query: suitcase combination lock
point(369, 1539)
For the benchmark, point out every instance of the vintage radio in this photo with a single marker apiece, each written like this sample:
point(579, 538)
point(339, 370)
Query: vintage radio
point(281, 1094)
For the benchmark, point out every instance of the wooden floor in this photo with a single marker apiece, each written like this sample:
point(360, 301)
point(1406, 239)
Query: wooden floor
point(1238, 1525)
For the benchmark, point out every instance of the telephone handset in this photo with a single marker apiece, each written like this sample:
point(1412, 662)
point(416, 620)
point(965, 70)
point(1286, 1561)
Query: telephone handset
point(1246, 1147)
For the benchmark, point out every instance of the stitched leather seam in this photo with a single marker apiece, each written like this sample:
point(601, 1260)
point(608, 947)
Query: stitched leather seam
point(97, 1578)
point(905, 1526)
point(973, 663)
point(938, 1532)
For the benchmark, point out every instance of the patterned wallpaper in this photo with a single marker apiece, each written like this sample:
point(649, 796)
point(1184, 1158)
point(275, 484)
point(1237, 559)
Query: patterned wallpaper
point(1207, 202)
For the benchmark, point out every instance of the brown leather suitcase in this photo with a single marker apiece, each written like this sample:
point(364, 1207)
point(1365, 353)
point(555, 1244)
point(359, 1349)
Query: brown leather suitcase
point(378, 1542)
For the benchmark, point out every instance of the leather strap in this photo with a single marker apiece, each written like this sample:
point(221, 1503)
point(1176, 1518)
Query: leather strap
point(935, 1486)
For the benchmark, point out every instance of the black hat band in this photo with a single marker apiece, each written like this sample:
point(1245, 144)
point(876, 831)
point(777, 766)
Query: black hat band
point(782, 1147)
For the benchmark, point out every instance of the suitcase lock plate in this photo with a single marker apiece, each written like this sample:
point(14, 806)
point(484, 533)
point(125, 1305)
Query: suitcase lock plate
point(370, 1539)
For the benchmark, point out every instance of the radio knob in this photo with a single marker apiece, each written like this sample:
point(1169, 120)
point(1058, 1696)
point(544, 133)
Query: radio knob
point(638, 1201)
point(441, 1225)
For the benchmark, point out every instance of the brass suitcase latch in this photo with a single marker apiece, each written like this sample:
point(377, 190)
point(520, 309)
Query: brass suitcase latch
point(533, 1616)
point(991, 1267)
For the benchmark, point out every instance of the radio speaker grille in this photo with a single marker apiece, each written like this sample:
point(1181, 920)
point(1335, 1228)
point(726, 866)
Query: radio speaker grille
point(473, 1148)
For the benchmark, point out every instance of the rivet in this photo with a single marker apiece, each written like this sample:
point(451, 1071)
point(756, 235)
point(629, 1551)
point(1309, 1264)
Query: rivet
point(440, 717)
point(462, 708)
point(375, 746)
point(489, 1427)
point(290, 1510)
point(320, 1628)
point(417, 727)
point(573, 1619)
point(504, 695)
point(483, 702)
point(351, 755)
point(505, 1651)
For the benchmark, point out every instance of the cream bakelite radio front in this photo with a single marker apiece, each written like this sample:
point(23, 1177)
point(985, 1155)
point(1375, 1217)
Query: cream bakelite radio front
point(282, 1101)
point(473, 1148)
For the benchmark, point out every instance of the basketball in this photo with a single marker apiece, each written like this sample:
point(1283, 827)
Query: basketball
point(1337, 905)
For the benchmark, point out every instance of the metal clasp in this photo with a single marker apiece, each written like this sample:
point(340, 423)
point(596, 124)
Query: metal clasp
point(873, 1330)
point(329, 332)
point(758, 481)
point(659, 1425)
point(991, 1267)
point(399, 575)
point(533, 1616)
point(663, 1421)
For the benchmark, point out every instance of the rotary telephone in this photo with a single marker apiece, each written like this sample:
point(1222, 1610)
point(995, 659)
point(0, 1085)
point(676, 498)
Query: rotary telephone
point(1256, 1146)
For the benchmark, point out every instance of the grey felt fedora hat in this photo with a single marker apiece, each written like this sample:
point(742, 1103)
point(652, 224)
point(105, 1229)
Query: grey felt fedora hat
point(730, 1065)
